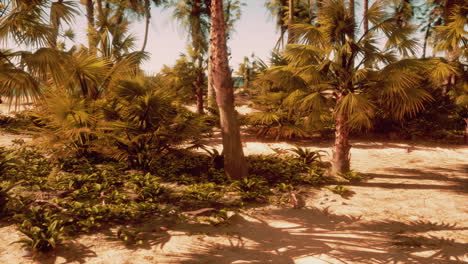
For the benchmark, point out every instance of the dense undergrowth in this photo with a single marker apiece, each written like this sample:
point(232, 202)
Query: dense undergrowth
point(51, 199)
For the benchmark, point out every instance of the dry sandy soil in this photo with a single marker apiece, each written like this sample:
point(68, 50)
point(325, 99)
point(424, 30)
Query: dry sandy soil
point(412, 209)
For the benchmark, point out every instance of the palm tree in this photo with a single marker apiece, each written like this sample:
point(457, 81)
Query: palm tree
point(234, 161)
point(341, 71)
point(195, 16)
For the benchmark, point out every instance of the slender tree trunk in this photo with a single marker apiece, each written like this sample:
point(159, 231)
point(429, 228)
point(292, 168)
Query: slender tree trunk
point(341, 155)
point(291, 22)
point(366, 16)
point(147, 22)
point(311, 10)
point(55, 21)
point(211, 89)
point(91, 31)
point(234, 161)
point(351, 11)
point(426, 38)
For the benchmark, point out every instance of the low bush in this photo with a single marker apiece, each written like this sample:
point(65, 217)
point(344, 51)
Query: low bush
point(43, 228)
point(252, 188)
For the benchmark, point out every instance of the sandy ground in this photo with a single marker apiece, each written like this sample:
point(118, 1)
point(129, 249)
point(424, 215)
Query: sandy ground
point(411, 210)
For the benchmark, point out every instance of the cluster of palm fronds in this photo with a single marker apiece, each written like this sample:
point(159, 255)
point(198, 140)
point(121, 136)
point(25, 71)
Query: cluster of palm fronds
point(329, 71)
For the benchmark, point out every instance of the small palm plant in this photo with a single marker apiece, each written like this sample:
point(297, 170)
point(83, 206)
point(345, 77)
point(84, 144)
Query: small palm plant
point(306, 155)
point(43, 228)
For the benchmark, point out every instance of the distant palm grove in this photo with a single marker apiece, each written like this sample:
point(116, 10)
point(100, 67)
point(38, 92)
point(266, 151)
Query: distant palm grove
point(340, 69)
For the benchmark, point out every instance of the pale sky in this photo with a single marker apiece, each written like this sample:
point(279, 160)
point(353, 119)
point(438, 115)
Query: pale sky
point(255, 33)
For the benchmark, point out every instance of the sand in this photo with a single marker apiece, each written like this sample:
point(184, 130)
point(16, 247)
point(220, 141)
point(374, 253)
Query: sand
point(411, 210)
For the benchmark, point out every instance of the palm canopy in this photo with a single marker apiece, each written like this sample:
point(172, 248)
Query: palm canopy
point(329, 67)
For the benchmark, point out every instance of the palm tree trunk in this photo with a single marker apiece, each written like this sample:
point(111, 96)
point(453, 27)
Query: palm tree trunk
point(466, 131)
point(90, 16)
point(366, 17)
point(55, 21)
point(291, 22)
point(341, 155)
point(351, 11)
point(234, 161)
point(211, 89)
point(147, 22)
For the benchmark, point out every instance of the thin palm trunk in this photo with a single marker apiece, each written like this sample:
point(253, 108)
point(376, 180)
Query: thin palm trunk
point(90, 17)
point(211, 89)
point(199, 87)
point(291, 22)
point(426, 38)
point(341, 155)
point(234, 161)
point(366, 17)
point(55, 27)
point(147, 22)
point(351, 11)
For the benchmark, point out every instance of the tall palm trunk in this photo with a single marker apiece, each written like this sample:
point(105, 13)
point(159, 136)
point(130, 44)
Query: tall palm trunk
point(366, 17)
point(55, 21)
point(341, 156)
point(199, 86)
point(90, 16)
point(234, 161)
point(351, 12)
point(147, 22)
point(291, 22)
point(211, 89)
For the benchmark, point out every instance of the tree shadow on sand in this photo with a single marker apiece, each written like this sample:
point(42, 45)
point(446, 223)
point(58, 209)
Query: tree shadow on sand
point(71, 252)
point(321, 236)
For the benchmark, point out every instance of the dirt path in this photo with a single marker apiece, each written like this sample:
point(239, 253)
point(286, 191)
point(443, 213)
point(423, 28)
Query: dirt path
point(412, 210)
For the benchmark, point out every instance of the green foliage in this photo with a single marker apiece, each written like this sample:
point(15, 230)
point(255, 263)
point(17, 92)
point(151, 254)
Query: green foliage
point(275, 169)
point(202, 192)
point(148, 188)
point(341, 190)
point(43, 228)
point(130, 237)
point(307, 156)
point(252, 188)
point(351, 176)
point(317, 177)
point(5, 196)
point(26, 163)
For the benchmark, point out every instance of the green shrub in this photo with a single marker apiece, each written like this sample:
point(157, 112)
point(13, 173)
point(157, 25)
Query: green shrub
point(28, 164)
point(252, 188)
point(351, 176)
point(317, 176)
point(147, 187)
point(341, 190)
point(5, 196)
point(307, 156)
point(43, 228)
point(130, 237)
point(202, 192)
point(275, 169)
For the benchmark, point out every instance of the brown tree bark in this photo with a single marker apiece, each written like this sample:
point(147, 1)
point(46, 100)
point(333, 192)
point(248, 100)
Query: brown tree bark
point(211, 90)
point(147, 22)
point(55, 21)
point(291, 22)
point(341, 155)
point(90, 18)
point(366, 16)
point(351, 12)
point(234, 161)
